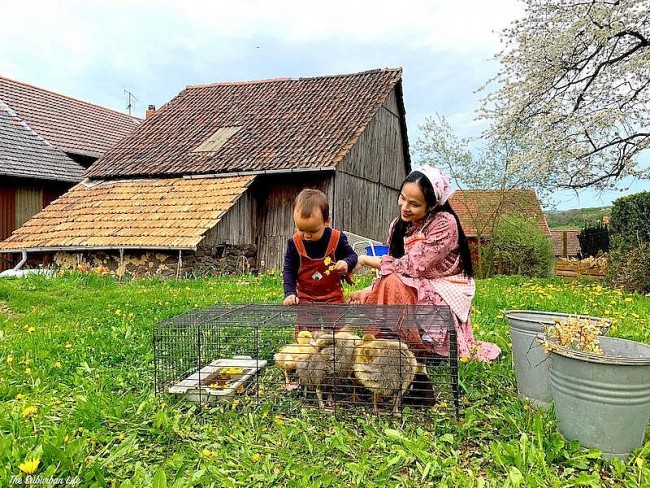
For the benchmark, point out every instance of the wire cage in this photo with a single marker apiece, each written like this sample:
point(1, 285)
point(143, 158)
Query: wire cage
point(328, 356)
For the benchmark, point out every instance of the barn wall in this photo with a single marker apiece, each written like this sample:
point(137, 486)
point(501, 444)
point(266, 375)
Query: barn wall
point(29, 201)
point(237, 225)
point(20, 200)
point(275, 196)
point(7, 222)
point(368, 179)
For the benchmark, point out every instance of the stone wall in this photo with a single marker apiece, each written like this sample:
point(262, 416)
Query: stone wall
point(206, 261)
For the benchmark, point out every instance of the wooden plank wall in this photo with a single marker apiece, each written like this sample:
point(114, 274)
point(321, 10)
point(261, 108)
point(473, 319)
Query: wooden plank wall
point(275, 196)
point(367, 181)
point(237, 226)
point(7, 222)
point(29, 201)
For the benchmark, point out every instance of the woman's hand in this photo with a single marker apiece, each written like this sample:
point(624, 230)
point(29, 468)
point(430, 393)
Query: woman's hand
point(359, 297)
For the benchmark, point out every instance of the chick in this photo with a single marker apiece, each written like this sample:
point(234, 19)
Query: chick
point(385, 367)
point(332, 362)
point(291, 355)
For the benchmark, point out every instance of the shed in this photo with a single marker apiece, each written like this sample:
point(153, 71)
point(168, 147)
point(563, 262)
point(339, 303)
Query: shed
point(47, 140)
point(213, 174)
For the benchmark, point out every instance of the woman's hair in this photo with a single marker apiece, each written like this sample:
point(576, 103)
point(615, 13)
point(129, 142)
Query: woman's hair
point(396, 244)
point(310, 200)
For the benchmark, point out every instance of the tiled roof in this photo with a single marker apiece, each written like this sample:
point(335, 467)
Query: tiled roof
point(283, 124)
point(476, 209)
point(70, 125)
point(171, 213)
point(24, 154)
point(572, 243)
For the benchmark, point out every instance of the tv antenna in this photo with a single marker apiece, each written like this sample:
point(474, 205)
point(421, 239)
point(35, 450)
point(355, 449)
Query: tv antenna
point(130, 97)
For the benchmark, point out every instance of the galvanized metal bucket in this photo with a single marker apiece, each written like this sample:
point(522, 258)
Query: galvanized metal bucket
point(530, 362)
point(603, 400)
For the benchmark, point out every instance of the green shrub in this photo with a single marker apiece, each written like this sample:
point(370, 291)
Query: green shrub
point(630, 221)
point(519, 246)
point(630, 268)
point(594, 239)
point(629, 261)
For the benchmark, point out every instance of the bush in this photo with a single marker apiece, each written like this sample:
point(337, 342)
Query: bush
point(629, 262)
point(520, 247)
point(594, 239)
point(630, 225)
point(630, 268)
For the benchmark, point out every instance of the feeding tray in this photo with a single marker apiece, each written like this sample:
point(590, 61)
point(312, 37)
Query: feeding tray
point(219, 379)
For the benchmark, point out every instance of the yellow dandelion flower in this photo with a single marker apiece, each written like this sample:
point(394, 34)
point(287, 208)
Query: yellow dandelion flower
point(256, 457)
point(10, 359)
point(57, 364)
point(20, 396)
point(206, 453)
point(118, 312)
point(28, 370)
point(31, 330)
point(29, 467)
point(68, 345)
point(29, 411)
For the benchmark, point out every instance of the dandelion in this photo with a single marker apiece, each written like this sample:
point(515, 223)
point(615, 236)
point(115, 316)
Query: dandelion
point(20, 396)
point(68, 345)
point(206, 453)
point(57, 364)
point(256, 457)
point(118, 312)
point(31, 330)
point(10, 359)
point(29, 467)
point(29, 411)
point(28, 370)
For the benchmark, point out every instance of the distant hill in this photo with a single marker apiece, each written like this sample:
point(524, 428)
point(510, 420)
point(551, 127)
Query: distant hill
point(576, 218)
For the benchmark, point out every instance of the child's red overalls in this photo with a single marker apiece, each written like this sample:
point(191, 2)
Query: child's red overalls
point(317, 283)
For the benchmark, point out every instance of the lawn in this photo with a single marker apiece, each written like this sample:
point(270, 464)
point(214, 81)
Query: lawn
point(76, 394)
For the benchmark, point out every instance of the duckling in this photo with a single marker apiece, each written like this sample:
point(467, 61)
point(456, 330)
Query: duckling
point(332, 362)
point(290, 355)
point(385, 367)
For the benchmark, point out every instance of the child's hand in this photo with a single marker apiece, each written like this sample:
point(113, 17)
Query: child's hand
point(341, 266)
point(290, 300)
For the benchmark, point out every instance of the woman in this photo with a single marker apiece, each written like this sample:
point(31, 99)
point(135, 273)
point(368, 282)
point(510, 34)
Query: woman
point(428, 263)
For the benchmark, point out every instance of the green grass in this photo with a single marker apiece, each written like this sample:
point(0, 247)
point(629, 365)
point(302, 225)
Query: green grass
point(79, 349)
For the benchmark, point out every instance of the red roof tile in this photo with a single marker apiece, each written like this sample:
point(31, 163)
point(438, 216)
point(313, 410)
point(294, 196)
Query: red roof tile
point(285, 124)
point(476, 209)
point(70, 125)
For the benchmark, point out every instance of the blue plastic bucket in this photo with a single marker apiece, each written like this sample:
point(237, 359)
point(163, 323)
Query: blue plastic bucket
point(379, 250)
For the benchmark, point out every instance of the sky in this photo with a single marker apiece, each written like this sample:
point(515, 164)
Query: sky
point(100, 51)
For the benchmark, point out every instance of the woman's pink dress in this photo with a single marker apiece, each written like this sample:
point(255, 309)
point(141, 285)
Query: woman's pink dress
point(430, 273)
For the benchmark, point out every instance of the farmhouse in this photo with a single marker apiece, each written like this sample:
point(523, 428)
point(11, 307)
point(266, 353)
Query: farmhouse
point(206, 184)
point(480, 210)
point(47, 140)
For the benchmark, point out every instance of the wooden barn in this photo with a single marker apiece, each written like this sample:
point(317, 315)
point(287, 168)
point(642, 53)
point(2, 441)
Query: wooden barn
point(207, 183)
point(47, 140)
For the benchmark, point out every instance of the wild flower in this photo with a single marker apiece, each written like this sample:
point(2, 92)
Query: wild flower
point(29, 466)
point(29, 411)
point(10, 359)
